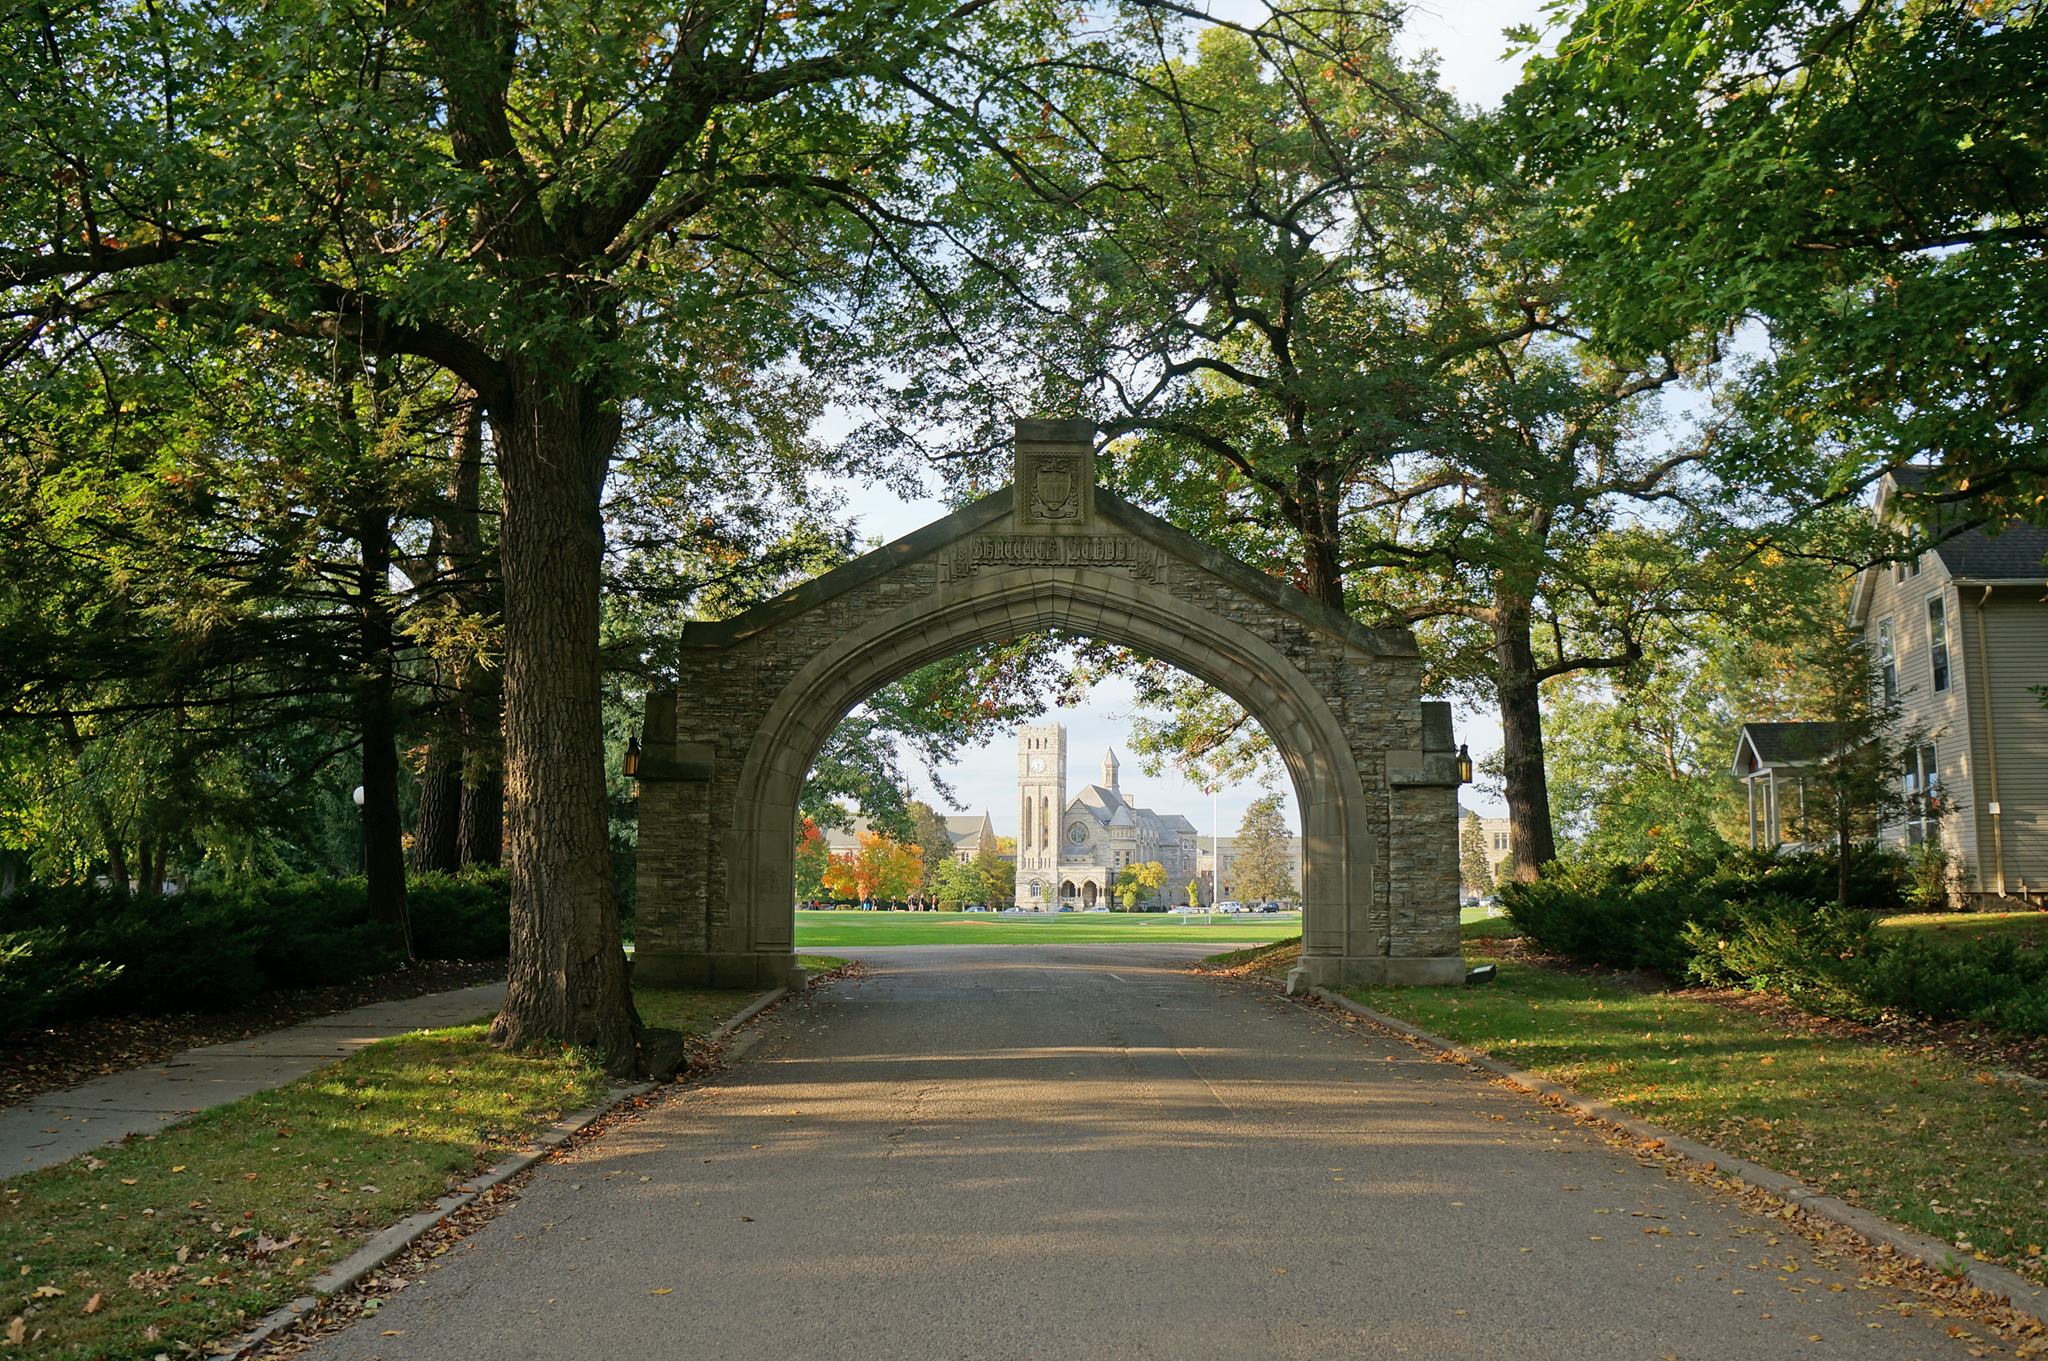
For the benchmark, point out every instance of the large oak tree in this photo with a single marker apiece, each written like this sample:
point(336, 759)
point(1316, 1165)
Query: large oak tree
point(577, 211)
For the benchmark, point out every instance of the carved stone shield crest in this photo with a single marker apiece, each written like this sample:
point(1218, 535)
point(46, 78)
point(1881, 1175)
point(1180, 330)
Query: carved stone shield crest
point(1056, 490)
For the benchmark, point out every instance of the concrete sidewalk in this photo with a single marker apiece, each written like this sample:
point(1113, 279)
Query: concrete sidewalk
point(58, 1126)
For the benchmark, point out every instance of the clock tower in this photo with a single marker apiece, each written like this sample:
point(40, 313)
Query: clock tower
point(1041, 800)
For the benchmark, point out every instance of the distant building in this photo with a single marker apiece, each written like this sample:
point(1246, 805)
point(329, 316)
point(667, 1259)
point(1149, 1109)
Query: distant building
point(1226, 847)
point(969, 833)
point(1495, 831)
point(1070, 851)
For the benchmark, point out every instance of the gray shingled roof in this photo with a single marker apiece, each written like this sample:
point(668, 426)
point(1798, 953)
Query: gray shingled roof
point(1789, 743)
point(2014, 552)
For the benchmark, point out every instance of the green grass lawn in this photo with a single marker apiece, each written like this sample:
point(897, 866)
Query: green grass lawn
point(1922, 1139)
point(166, 1243)
point(844, 930)
point(1963, 928)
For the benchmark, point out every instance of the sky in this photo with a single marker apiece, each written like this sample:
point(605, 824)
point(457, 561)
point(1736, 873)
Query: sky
point(1467, 39)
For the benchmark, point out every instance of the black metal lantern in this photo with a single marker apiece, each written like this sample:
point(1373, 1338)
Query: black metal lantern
point(632, 762)
point(1464, 765)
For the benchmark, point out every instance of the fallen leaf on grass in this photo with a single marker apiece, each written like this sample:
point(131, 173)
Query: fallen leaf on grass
point(665, 1290)
point(17, 1331)
point(47, 1292)
point(92, 1306)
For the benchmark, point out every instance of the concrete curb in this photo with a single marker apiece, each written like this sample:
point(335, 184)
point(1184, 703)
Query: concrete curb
point(2021, 1294)
point(351, 1270)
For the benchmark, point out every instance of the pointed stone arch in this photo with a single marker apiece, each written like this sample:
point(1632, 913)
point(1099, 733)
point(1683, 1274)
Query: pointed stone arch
point(725, 754)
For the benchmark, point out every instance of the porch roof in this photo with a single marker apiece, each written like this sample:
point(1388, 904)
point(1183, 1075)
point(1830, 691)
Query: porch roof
point(1763, 747)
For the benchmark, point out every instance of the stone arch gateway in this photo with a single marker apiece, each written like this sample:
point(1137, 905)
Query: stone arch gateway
point(724, 755)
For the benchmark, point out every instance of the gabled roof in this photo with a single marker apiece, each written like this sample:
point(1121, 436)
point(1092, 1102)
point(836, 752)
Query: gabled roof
point(1097, 800)
point(1776, 746)
point(2015, 551)
point(963, 828)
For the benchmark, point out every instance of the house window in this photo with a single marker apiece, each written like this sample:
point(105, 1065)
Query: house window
point(1887, 661)
point(1923, 795)
point(1937, 641)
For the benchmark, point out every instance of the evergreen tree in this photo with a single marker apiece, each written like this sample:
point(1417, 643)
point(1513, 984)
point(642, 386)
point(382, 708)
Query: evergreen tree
point(1473, 868)
point(1262, 866)
point(1860, 747)
point(998, 875)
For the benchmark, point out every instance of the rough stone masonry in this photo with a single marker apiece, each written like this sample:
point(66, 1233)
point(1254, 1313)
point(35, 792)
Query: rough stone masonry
point(725, 753)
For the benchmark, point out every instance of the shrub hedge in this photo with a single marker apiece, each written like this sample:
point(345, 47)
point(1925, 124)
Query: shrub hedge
point(1771, 922)
point(71, 951)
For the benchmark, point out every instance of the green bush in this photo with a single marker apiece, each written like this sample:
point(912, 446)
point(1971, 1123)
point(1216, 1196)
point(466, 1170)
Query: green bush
point(35, 977)
point(1779, 943)
point(1740, 918)
point(1649, 916)
point(85, 950)
point(460, 916)
point(1615, 914)
point(1998, 982)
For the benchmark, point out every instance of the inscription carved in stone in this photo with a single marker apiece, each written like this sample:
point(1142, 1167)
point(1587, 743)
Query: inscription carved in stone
point(1112, 552)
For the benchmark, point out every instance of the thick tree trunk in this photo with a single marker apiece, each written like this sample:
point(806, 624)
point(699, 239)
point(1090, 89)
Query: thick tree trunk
point(436, 835)
point(482, 840)
point(383, 833)
point(567, 976)
point(1530, 835)
point(1323, 577)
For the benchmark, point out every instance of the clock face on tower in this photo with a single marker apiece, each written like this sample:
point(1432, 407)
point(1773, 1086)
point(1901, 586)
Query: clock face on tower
point(1038, 765)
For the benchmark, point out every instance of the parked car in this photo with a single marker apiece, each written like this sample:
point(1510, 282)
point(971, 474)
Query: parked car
point(1230, 905)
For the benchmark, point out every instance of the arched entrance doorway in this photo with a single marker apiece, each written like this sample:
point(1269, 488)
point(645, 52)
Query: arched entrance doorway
point(724, 755)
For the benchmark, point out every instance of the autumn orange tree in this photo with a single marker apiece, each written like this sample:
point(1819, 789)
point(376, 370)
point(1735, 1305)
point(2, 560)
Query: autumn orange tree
point(880, 868)
point(813, 860)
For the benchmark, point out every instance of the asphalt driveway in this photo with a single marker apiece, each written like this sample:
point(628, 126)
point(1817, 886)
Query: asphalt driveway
point(1083, 1151)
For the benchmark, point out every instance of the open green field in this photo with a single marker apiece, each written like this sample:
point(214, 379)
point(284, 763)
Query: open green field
point(844, 930)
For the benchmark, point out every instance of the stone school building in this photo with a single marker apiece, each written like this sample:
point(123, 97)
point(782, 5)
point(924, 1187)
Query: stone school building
point(1071, 850)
